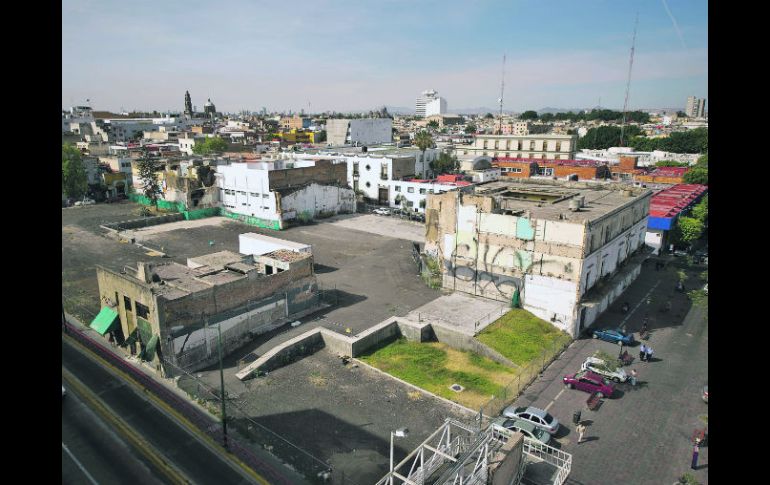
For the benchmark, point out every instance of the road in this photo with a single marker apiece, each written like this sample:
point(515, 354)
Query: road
point(131, 440)
point(641, 435)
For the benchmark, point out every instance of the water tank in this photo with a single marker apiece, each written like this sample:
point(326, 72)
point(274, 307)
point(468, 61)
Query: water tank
point(574, 205)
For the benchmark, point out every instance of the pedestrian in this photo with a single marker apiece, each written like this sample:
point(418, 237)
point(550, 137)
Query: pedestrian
point(642, 352)
point(581, 429)
point(620, 354)
point(576, 417)
point(633, 377)
point(649, 353)
point(695, 450)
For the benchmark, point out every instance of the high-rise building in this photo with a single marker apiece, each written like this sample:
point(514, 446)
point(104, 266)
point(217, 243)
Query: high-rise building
point(696, 107)
point(209, 109)
point(188, 109)
point(429, 103)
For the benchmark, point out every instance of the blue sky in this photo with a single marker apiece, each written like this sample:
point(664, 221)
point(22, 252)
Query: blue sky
point(358, 54)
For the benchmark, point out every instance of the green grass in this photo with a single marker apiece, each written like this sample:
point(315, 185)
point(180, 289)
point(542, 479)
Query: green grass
point(435, 366)
point(521, 337)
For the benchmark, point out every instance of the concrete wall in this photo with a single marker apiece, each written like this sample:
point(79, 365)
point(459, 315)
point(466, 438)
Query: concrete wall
point(316, 200)
point(144, 222)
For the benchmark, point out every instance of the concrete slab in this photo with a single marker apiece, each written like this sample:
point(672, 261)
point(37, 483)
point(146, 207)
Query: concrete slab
point(459, 311)
point(382, 225)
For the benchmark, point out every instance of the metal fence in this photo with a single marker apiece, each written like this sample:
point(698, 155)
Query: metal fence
point(525, 376)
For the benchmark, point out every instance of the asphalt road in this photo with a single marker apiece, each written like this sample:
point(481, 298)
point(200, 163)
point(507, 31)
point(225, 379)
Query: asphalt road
point(160, 450)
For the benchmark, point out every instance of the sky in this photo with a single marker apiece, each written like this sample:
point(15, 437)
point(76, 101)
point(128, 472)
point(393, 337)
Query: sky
point(346, 55)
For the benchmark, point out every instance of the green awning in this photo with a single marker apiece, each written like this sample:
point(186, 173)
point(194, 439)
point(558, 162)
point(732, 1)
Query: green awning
point(145, 329)
point(516, 300)
point(149, 351)
point(104, 320)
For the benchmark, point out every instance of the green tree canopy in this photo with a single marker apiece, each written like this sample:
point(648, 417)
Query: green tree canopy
point(687, 230)
point(74, 181)
point(149, 177)
point(691, 141)
point(445, 163)
point(604, 137)
point(703, 161)
point(433, 124)
point(528, 115)
point(489, 116)
point(470, 128)
point(697, 175)
point(701, 209)
point(209, 146)
point(423, 140)
point(671, 163)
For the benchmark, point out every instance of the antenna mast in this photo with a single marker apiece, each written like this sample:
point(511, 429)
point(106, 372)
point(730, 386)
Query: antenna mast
point(502, 90)
point(628, 83)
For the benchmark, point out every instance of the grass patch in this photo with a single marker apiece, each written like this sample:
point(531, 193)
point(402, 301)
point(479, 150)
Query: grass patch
point(435, 366)
point(521, 337)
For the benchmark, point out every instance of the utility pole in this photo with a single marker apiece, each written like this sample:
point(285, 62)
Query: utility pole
point(628, 83)
point(222, 386)
point(502, 90)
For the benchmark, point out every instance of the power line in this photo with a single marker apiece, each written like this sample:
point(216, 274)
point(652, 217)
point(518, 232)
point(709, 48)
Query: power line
point(628, 83)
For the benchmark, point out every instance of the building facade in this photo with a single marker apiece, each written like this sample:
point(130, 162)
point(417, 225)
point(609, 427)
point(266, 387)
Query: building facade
point(555, 147)
point(368, 131)
point(429, 103)
point(696, 107)
point(567, 250)
point(412, 194)
point(665, 208)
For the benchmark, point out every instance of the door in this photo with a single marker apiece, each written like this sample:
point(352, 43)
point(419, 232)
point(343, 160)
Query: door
point(384, 196)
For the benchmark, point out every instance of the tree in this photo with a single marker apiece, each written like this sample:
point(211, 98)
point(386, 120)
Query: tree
point(149, 178)
point(697, 175)
point(681, 114)
point(687, 230)
point(209, 146)
point(74, 181)
point(433, 124)
point(671, 163)
point(547, 117)
point(701, 210)
point(703, 161)
point(528, 115)
point(423, 141)
point(470, 128)
point(445, 163)
point(488, 116)
point(604, 137)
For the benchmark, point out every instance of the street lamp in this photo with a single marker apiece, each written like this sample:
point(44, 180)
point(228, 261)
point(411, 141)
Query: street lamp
point(399, 433)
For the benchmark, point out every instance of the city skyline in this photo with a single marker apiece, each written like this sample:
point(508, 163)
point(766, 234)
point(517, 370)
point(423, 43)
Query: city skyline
point(340, 56)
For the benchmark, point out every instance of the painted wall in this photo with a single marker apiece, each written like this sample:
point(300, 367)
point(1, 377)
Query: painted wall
point(317, 200)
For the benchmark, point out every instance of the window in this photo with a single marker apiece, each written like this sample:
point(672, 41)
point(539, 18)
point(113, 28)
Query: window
point(430, 191)
point(531, 145)
point(398, 188)
point(410, 190)
point(142, 311)
point(409, 203)
point(422, 191)
point(497, 143)
point(368, 184)
point(558, 146)
point(253, 194)
point(127, 303)
point(265, 196)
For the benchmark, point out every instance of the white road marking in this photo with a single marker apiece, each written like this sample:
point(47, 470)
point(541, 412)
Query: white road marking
point(644, 300)
point(553, 401)
point(77, 462)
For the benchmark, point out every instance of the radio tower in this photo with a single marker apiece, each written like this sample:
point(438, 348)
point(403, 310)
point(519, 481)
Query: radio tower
point(628, 83)
point(502, 89)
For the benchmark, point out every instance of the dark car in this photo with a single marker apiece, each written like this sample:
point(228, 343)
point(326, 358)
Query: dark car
point(615, 336)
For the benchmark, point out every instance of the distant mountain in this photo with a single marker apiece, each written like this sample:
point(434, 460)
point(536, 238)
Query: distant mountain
point(400, 110)
point(562, 110)
point(479, 111)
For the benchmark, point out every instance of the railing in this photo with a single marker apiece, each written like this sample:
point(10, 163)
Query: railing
point(194, 415)
point(553, 456)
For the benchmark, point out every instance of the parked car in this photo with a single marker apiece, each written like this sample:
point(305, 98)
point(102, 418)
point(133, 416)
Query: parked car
point(381, 211)
point(680, 252)
point(85, 202)
point(526, 428)
point(589, 382)
point(536, 416)
point(600, 367)
point(616, 336)
point(706, 394)
point(416, 216)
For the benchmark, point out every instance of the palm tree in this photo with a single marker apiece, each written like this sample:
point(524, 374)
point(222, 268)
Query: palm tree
point(423, 140)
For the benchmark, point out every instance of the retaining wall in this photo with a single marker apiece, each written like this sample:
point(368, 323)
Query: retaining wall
point(143, 222)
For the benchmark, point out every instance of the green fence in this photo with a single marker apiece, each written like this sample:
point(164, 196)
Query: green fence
point(253, 221)
point(201, 213)
point(162, 204)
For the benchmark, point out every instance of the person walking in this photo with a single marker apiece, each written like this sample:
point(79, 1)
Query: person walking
point(695, 451)
point(642, 352)
point(649, 352)
point(581, 429)
point(633, 377)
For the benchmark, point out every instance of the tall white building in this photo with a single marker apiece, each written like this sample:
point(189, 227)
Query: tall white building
point(429, 104)
point(368, 131)
point(696, 107)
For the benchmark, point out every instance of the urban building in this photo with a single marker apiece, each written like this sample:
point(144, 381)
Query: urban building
point(430, 103)
point(565, 250)
point(445, 120)
point(519, 128)
point(171, 314)
point(209, 110)
point(555, 147)
point(663, 175)
point(411, 194)
point(359, 132)
point(614, 154)
point(188, 107)
point(665, 208)
point(294, 123)
point(696, 107)
point(560, 169)
point(274, 194)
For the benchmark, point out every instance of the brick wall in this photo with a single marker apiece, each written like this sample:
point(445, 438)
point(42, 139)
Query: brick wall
point(324, 172)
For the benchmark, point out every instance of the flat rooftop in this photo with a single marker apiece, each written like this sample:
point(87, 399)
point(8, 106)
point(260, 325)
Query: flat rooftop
point(550, 199)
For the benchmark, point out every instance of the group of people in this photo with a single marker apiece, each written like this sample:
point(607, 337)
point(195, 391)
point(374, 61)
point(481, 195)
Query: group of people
point(645, 353)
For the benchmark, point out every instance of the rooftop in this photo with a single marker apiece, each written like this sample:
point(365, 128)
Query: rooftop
point(550, 199)
point(673, 200)
point(546, 161)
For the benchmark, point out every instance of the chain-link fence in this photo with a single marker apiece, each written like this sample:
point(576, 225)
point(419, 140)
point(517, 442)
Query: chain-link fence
point(525, 376)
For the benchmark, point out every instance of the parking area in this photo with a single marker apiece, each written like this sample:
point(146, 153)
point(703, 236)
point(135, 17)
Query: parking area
point(644, 431)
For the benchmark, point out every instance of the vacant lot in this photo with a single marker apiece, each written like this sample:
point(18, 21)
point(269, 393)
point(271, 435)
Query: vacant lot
point(434, 366)
point(522, 337)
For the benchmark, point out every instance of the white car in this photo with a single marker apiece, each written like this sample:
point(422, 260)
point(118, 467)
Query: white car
point(382, 211)
point(597, 365)
point(85, 202)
